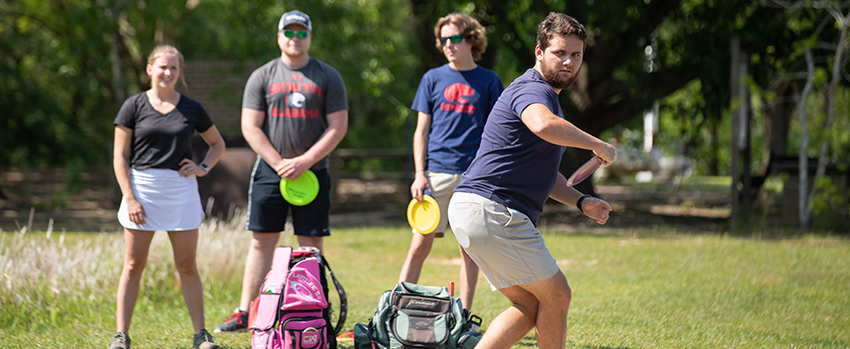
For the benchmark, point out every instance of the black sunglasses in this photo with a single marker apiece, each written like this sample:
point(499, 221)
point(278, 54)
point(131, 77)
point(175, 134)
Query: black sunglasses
point(454, 38)
point(301, 34)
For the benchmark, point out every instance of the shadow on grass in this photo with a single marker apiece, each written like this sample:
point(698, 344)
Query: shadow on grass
point(531, 342)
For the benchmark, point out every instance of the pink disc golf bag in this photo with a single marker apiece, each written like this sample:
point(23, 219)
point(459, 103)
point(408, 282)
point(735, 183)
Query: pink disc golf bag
point(292, 310)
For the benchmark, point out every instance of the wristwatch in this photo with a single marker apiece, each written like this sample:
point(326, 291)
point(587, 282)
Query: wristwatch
point(578, 203)
point(204, 167)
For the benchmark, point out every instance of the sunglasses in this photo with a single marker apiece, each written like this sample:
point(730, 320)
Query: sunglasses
point(454, 38)
point(301, 34)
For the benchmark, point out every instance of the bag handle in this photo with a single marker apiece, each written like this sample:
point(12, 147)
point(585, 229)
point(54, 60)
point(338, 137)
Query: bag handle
point(343, 299)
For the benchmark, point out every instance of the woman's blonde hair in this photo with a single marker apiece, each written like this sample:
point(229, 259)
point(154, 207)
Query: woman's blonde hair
point(163, 49)
point(468, 26)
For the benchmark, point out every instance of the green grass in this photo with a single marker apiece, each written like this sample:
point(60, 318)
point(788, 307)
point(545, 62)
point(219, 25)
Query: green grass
point(631, 289)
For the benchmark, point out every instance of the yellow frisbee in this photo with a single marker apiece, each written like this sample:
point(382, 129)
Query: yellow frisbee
point(423, 216)
point(301, 191)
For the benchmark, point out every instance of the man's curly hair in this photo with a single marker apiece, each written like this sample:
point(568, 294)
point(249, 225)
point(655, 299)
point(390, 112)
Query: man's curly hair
point(468, 26)
point(558, 24)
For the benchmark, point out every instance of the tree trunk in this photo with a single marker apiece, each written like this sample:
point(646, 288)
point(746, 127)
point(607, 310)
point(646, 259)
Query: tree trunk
point(423, 18)
point(823, 158)
point(743, 195)
point(777, 124)
point(803, 204)
point(119, 89)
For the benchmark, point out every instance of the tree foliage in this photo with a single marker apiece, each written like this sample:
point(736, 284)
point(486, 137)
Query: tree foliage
point(52, 83)
point(68, 64)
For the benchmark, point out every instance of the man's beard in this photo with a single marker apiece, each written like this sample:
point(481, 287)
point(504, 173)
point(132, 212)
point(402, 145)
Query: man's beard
point(555, 80)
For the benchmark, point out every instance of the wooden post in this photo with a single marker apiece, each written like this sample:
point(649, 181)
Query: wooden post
point(333, 172)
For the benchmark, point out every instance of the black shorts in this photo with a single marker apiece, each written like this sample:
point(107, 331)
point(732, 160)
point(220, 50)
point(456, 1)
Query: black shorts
point(267, 209)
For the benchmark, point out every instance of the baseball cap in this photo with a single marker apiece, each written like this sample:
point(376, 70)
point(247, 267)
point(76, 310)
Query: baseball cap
point(295, 17)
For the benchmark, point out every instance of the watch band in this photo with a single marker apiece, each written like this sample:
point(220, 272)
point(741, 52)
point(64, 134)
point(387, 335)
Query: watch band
point(578, 203)
point(204, 167)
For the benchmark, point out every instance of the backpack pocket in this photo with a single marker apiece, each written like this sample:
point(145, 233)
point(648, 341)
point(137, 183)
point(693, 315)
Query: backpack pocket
point(266, 315)
point(303, 289)
point(468, 339)
point(269, 339)
point(269, 299)
point(304, 333)
point(363, 338)
point(421, 321)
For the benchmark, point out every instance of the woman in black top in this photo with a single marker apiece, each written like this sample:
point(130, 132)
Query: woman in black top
point(154, 168)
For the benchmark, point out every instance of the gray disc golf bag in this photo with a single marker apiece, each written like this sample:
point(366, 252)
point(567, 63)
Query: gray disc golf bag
point(416, 316)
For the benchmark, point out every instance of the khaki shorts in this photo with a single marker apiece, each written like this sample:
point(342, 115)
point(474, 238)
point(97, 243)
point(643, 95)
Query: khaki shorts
point(442, 187)
point(502, 241)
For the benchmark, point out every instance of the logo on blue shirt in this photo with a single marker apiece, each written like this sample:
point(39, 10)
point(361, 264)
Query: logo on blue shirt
point(458, 96)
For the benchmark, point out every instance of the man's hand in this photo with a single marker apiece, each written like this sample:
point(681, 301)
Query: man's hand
point(596, 208)
point(606, 152)
point(292, 168)
point(420, 184)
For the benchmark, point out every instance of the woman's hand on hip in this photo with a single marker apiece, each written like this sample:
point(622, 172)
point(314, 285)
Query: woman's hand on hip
point(189, 167)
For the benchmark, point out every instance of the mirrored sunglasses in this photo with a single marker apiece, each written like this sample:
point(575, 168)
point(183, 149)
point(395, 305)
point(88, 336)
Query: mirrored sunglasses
point(454, 39)
point(301, 34)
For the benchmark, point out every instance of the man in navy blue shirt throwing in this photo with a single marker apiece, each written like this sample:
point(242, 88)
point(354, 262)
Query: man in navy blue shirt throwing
point(496, 206)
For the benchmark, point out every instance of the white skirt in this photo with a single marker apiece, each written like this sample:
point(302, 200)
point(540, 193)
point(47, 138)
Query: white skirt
point(170, 202)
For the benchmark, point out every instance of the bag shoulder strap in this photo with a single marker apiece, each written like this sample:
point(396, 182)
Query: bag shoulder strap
point(343, 299)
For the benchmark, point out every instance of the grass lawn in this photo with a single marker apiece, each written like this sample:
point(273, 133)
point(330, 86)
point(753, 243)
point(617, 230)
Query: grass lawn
point(631, 289)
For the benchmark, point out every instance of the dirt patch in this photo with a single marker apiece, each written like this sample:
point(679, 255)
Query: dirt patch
point(42, 197)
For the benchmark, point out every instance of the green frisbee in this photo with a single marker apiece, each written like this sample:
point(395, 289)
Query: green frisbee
point(301, 191)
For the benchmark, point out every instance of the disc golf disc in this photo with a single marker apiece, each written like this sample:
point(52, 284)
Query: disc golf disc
point(301, 191)
point(423, 216)
point(584, 171)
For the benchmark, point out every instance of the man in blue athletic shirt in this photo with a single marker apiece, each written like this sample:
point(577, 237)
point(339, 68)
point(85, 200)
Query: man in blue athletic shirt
point(495, 208)
point(452, 102)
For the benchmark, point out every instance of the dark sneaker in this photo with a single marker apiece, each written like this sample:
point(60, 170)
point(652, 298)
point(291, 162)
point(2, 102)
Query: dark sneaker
point(204, 340)
point(238, 322)
point(120, 340)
